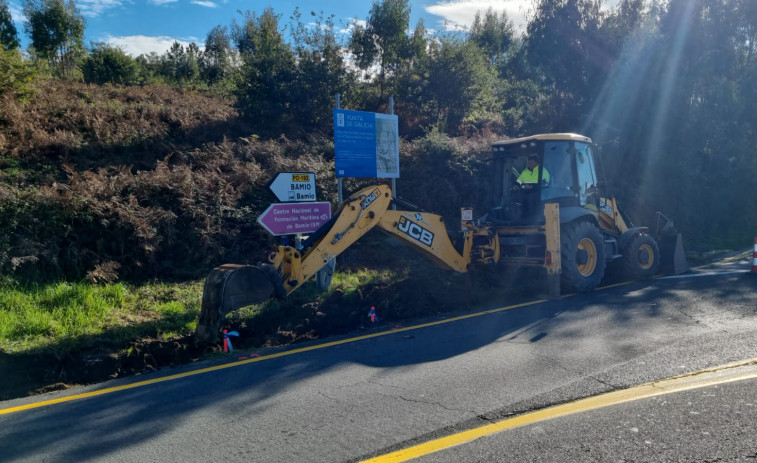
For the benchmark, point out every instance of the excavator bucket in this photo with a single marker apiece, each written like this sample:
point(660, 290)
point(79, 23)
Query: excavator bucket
point(227, 288)
point(672, 256)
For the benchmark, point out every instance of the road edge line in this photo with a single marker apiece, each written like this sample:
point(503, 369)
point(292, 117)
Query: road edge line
point(123, 387)
point(694, 380)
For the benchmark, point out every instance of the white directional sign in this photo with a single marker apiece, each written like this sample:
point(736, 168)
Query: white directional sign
point(294, 186)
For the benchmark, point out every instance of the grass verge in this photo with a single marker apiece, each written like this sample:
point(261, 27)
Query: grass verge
point(57, 335)
point(36, 318)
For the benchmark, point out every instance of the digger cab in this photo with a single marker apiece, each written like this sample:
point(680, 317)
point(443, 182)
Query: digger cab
point(553, 168)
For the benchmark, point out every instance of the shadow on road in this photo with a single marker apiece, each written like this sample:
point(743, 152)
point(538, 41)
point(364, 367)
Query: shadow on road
point(114, 422)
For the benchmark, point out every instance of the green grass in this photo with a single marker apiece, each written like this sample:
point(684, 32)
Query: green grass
point(40, 317)
point(353, 280)
point(66, 316)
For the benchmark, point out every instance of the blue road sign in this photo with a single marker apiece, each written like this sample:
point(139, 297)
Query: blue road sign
point(366, 144)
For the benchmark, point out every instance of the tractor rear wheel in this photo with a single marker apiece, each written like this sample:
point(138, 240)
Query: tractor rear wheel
point(641, 258)
point(583, 256)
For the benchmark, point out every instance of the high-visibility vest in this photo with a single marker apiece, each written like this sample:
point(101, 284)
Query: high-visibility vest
point(532, 176)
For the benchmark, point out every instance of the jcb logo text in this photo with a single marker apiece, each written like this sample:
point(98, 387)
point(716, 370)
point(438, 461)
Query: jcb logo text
point(415, 231)
point(369, 199)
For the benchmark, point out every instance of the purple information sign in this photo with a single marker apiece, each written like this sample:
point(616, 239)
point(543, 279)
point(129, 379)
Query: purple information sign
point(293, 218)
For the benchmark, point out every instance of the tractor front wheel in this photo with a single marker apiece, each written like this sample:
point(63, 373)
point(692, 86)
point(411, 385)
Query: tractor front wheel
point(583, 256)
point(641, 258)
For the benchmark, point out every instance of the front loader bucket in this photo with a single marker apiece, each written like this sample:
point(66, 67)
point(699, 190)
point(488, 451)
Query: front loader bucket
point(672, 256)
point(230, 287)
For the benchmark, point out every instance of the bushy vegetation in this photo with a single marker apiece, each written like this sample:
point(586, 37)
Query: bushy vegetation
point(107, 64)
point(158, 167)
point(116, 199)
point(16, 76)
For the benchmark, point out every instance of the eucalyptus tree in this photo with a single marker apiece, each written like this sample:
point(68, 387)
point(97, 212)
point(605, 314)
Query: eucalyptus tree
point(8, 32)
point(412, 81)
point(704, 119)
point(190, 70)
point(56, 30)
point(217, 58)
point(679, 102)
point(461, 82)
point(566, 51)
point(494, 35)
point(321, 71)
point(382, 43)
point(267, 69)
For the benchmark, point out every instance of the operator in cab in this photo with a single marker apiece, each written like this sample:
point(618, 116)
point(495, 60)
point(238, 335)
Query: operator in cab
point(530, 175)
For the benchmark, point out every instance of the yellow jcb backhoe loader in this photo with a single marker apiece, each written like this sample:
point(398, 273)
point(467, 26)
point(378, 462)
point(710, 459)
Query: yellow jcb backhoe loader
point(553, 218)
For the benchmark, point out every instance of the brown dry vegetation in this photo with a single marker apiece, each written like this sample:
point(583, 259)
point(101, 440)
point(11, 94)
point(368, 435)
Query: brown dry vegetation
point(134, 184)
point(155, 182)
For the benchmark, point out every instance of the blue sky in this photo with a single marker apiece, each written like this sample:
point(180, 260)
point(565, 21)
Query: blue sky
point(141, 26)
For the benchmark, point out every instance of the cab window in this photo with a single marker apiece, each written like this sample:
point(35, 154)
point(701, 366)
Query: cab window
point(558, 162)
point(587, 183)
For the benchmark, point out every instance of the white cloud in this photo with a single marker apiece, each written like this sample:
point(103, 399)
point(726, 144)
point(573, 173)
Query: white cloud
point(161, 2)
point(205, 4)
point(93, 8)
point(136, 45)
point(313, 25)
point(460, 14)
point(88, 8)
point(17, 14)
point(351, 26)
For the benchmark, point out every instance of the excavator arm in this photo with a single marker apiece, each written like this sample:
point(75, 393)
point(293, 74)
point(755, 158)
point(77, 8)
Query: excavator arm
point(355, 217)
point(230, 287)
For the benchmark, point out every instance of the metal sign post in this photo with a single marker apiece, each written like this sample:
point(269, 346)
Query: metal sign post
point(394, 180)
point(339, 184)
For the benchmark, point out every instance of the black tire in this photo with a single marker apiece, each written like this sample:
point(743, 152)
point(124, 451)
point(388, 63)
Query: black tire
point(583, 256)
point(641, 258)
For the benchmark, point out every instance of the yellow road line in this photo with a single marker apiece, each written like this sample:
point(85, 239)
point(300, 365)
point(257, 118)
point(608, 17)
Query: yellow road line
point(124, 387)
point(615, 285)
point(726, 260)
point(300, 350)
point(703, 378)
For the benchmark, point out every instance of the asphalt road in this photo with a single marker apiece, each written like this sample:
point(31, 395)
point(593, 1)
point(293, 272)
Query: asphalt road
point(713, 424)
point(351, 399)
